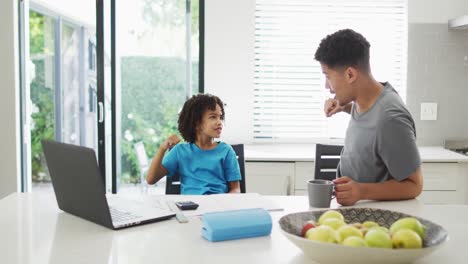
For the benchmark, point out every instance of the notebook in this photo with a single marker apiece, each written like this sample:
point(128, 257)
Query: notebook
point(80, 190)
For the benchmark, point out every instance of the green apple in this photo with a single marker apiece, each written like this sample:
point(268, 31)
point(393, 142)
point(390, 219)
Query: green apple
point(354, 241)
point(406, 238)
point(383, 228)
point(330, 214)
point(334, 223)
point(378, 238)
point(369, 224)
point(408, 223)
point(322, 234)
point(348, 231)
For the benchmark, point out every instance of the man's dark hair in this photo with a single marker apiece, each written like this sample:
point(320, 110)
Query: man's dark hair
point(344, 48)
point(192, 113)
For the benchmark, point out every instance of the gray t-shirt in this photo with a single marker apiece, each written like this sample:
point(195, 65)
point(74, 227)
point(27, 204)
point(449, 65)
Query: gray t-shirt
point(380, 143)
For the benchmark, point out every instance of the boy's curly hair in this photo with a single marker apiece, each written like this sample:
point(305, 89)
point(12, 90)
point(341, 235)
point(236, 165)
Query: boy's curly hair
point(344, 48)
point(192, 113)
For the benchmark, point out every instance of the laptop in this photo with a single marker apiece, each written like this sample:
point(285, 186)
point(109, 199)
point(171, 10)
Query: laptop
point(80, 190)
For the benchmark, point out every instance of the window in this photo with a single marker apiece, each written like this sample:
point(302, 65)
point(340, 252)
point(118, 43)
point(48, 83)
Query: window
point(157, 63)
point(152, 62)
point(289, 86)
point(55, 81)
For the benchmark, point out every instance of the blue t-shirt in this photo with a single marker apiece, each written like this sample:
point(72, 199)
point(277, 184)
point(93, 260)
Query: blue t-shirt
point(203, 171)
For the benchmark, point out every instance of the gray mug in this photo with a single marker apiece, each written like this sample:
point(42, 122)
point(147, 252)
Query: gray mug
point(321, 192)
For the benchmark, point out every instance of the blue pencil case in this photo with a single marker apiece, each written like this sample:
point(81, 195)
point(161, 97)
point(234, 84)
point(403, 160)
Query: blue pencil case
point(228, 225)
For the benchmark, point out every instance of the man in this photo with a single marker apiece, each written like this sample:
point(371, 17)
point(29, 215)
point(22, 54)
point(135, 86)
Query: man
point(380, 159)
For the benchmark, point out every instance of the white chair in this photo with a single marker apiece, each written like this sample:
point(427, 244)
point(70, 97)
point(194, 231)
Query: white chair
point(143, 162)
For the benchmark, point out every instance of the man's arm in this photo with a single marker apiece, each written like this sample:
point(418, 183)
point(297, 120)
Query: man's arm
point(409, 188)
point(347, 108)
point(348, 192)
point(332, 106)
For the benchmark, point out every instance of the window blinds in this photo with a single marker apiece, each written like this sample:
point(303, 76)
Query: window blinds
point(289, 88)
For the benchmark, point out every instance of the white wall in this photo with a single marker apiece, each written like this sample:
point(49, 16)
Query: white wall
point(435, 11)
point(437, 70)
point(229, 63)
point(229, 43)
point(9, 151)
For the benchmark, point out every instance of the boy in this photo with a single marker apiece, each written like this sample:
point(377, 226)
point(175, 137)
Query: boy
point(204, 166)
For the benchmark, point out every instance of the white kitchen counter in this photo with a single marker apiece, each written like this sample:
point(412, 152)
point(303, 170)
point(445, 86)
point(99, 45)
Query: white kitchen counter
point(34, 230)
point(306, 152)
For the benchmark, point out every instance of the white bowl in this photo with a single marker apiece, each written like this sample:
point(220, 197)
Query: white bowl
point(291, 226)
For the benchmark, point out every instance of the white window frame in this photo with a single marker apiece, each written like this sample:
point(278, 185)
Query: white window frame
point(287, 34)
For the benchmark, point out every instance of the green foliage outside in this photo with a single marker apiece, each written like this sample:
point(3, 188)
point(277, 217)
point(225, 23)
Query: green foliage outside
point(153, 88)
point(36, 33)
point(42, 95)
point(170, 13)
point(153, 92)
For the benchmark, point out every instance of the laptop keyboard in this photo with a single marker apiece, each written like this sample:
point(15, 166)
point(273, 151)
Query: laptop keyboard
point(121, 216)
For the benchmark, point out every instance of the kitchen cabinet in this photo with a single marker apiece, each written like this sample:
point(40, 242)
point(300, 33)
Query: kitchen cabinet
point(305, 170)
point(444, 182)
point(272, 172)
point(270, 178)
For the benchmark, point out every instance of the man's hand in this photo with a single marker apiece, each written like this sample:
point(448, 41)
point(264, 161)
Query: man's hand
point(332, 107)
point(347, 191)
point(171, 141)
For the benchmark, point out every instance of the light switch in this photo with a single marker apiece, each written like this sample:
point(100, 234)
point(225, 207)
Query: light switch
point(428, 111)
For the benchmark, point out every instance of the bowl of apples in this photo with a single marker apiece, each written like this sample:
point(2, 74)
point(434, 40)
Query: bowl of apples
point(362, 235)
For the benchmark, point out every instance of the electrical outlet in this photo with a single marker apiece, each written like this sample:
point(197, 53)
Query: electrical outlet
point(428, 111)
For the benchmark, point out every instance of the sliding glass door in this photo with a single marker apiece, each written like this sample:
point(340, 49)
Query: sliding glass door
point(154, 66)
point(58, 77)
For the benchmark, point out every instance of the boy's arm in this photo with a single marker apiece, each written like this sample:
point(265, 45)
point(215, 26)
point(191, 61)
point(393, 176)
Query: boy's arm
point(234, 187)
point(157, 170)
point(348, 192)
point(232, 172)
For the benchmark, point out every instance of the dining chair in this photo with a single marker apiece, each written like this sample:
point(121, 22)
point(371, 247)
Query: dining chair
point(143, 161)
point(327, 158)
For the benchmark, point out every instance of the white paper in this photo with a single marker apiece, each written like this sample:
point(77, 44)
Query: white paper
point(213, 203)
